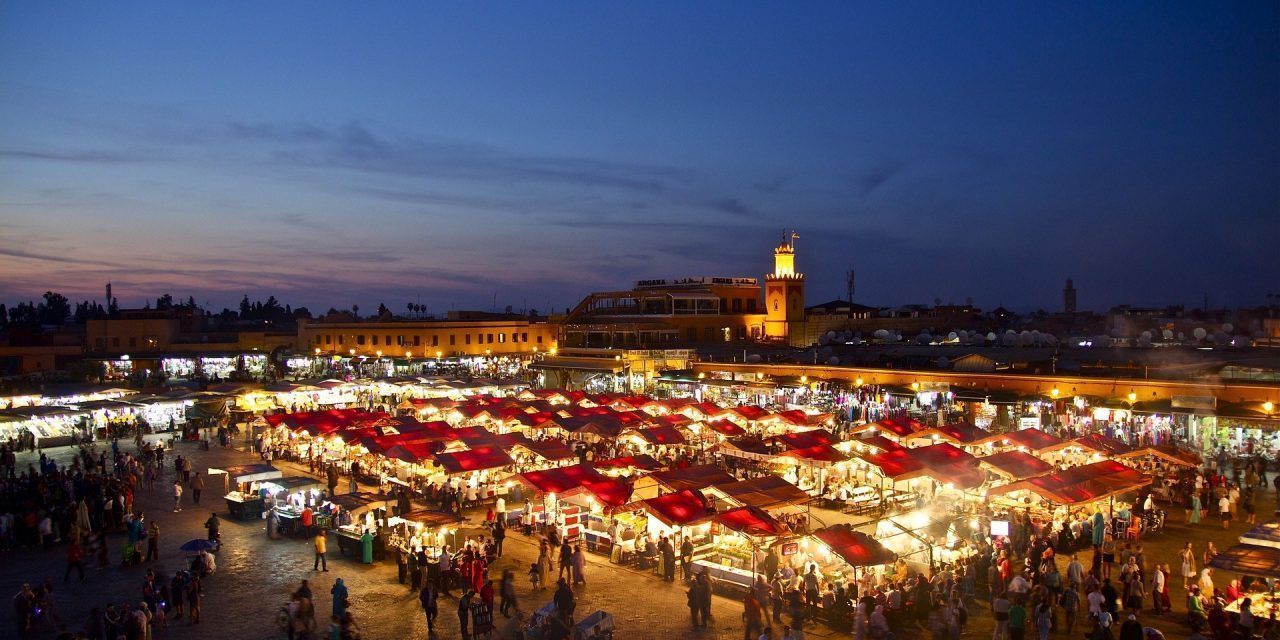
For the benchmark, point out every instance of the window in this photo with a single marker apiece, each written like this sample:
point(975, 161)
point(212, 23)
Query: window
point(100, 342)
point(751, 305)
point(359, 339)
point(388, 341)
point(400, 340)
point(502, 337)
point(328, 338)
point(737, 305)
point(453, 339)
point(417, 341)
point(373, 339)
point(490, 340)
point(539, 339)
point(435, 340)
point(468, 337)
point(133, 342)
point(693, 334)
point(341, 339)
point(524, 337)
point(317, 338)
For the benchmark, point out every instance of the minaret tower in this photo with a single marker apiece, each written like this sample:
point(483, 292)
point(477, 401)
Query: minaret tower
point(784, 293)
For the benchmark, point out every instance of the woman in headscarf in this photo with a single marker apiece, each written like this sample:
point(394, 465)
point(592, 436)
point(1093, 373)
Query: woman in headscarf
point(1206, 583)
point(579, 565)
point(339, 592)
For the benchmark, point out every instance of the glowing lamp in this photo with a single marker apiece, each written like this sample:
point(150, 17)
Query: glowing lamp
point(1054, 392)
point(1132, 396)
point(1268, 406)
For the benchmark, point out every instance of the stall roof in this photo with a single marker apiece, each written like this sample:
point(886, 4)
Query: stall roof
point(854, 547)
point(752, 522)
point(748, 447)
point(803, 439)
point(358, 502)
point(725, 427)
point(691, 477)
point(477, 459)
point(1167, 452)
point(414, 451)
point(549, 449)
point(1097, 442)
point(1081, 484)
point(643, 462)
point(661, 435)
point(963, 433)
point(673, 420)
point(822, 455)
point(678, 509)
point(880, 442)
point(1250, 560)
point(1266, 534)
point(249, 472)
point(1018, 465)
point(431, 519)
point(765, 492)
point(297, 483)
point(1031, 439)
point(895, 464)
point(798, 418)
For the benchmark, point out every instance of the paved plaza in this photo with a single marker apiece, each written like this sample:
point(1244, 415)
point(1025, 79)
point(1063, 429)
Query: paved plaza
point(256, 575)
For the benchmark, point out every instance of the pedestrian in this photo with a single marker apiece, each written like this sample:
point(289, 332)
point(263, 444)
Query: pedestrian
point(321, 546)
point(507, 602)
point(197, 485)
point(339, 593)
point(177, 495)
point(499, 533)
point(686, 557)
point(75, 560)
point(153, 541)
point(579, 565)
point(428, 597)
point(193, 599)
point(1017, 620)
point(566, 560)
point(1224, 509)
point(464, 614)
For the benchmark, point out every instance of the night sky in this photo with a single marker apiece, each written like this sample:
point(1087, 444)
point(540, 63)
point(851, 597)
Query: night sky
point(340, 153)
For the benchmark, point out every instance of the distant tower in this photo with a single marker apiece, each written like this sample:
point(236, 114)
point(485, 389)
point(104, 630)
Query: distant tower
point(1069, 297)
point(108, 305)
point(849, 282)
point(784, 293)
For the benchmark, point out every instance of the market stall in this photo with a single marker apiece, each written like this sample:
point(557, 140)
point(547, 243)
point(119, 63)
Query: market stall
point(730, 556)
point(245, 496)
point(353, 515)
point(842, 554)
point(289, 496)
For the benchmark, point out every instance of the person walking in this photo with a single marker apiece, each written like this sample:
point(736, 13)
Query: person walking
point(464, 613)
point(428, 597)
point(1224, 510)
point(321, 546)
point(499, 535)
point(579, 561)
point(177, 495)
point(197, 485)
point(566, 560)
point(75, 560)
point(339, 592)
point(153, 541)
point(686, 557)
point(507, 602)
point(194, 598)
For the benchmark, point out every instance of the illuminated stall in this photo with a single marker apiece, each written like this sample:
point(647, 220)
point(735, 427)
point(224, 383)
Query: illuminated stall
point(675, 480)
point(245, 497)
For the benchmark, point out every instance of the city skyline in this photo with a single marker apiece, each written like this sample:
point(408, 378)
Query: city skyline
point(443, 155)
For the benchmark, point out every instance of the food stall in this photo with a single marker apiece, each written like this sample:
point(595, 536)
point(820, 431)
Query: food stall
point(1250, 560)
point(289, 495)
point(736, 538)
point(355, 513)
point(576, 499)
point(842, 554)
point(679, 515)
point(1014, 465)
point(245, 497)
point(423, 530)
point(769, 493)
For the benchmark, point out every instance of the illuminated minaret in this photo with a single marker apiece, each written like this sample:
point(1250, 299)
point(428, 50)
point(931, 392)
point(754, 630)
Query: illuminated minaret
point(784, 292)
point(1069, 297)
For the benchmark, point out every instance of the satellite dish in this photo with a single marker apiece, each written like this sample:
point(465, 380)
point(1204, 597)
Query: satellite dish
point(1199, 333)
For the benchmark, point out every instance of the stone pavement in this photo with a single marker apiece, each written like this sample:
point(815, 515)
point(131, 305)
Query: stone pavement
point(256, 575)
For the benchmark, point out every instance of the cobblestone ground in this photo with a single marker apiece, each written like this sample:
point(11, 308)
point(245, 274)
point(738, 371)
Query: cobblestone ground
point(256, 574)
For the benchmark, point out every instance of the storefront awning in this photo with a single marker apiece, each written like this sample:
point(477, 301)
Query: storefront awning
point(1079, 485)
point(822, 455)
point(661, 435)
point(359, 502)
point(294, 484)
point(598, 365)
point(854, 547)
point(548, 449)
point(1168, 453)
point(725, 427)
point(962, 433)
point(803, 439)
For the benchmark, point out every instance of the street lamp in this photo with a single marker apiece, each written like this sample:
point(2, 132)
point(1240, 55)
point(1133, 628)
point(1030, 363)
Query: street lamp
point(379, 352)
point(1054, 392)
point(1268, 406)
point(1133, 397)
point(439, 354)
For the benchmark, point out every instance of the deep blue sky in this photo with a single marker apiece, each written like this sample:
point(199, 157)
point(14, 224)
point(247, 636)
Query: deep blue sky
point(339, 153)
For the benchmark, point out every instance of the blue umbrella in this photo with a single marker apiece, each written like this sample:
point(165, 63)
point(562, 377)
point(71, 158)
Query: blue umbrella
point(198, 545)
